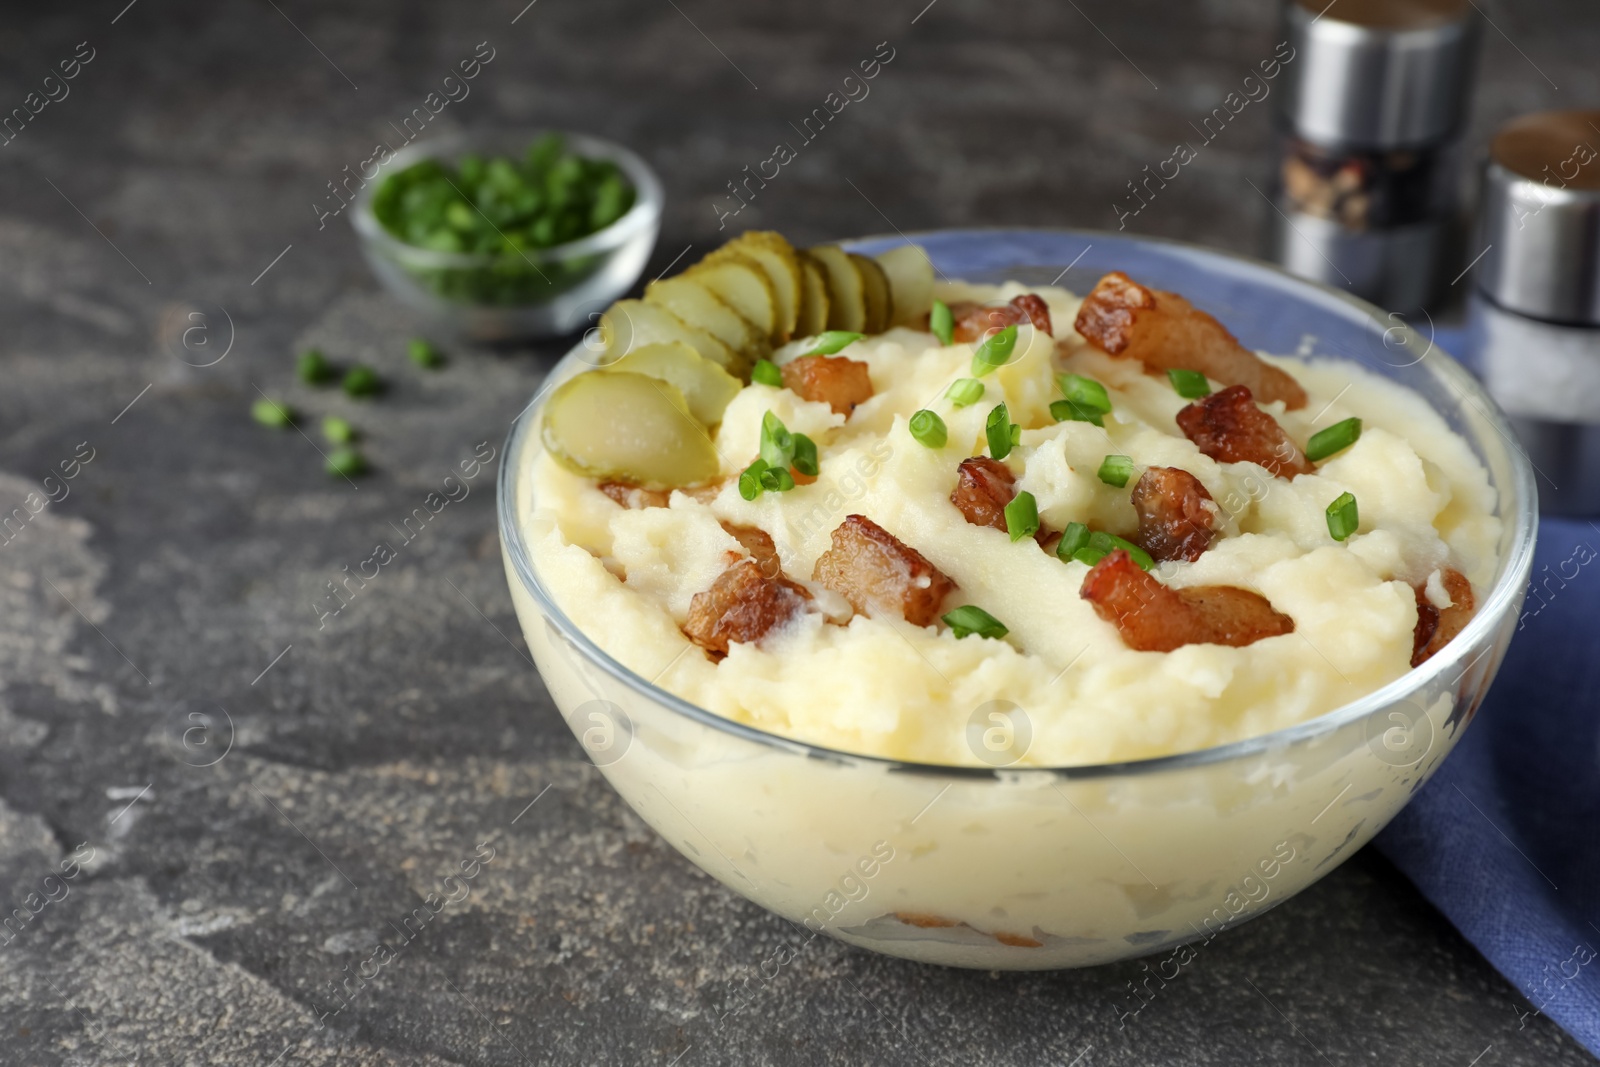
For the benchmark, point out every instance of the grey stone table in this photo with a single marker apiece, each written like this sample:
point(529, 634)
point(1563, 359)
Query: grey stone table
point(263, 790)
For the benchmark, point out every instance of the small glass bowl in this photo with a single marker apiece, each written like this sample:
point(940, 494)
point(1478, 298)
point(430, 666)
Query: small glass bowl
point(1034, 868)
point(547, 291)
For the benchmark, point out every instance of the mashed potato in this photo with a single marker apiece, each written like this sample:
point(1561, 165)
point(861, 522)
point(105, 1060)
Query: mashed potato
point(880, 686)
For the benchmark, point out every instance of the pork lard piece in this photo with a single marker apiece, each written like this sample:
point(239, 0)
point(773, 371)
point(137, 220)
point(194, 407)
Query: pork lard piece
point(1436, 626)
point(833, 380)
point(1165, 332)
point(742, 605)
point(877, 572)
point(972, 321)
point(758, 543)
point(1154, 618)
point(984, 487)
point(1230, 428)
point(1177, 516)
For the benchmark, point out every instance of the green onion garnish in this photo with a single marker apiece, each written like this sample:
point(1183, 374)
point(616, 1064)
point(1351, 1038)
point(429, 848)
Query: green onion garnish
point(1189, 384)
point(929, 429)
point(346, 462)
point(313, 367)
point(1003, 434)
point(1086, 400)
point(1116, 470)
point(965, 392)
point(1022, 516)
point(994, 352)
point(972, 619)
point(1098, 545)
point(423, 354)
point(361, 380)
point(777, 479)
point(766, 372)
point(271, 413)
point(1336, 438)
point(777, 443)
point(337, 430)
point(941, 323)
point(805, 455)
point(1074, 539)
point(750, 486)
point(832, 341)
point(1343, 517)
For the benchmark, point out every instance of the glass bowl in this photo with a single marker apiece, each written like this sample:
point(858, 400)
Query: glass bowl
point(1073, 866)
point(542, 292)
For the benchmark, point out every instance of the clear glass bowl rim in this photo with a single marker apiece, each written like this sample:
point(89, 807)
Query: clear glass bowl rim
point(1507, 584)
point(649, 199)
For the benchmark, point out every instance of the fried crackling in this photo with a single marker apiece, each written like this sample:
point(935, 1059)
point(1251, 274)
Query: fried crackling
point(984, 487)
point(1229, 427)
point(1177, 516)
point(973, 321)
point(874, 570)
point(1436, 626)
point(1154, 618)
point(833, 380)
point(743, 605)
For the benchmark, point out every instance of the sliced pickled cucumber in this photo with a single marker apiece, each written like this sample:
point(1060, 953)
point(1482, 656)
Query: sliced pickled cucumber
point(706, 387)
point(910, 274)
point(700, 307)
point(630, 324)
point(847, 307)
point(813, 297)
point(624, 427)
point(782, 264)
point(874, 290)
point(742, 284)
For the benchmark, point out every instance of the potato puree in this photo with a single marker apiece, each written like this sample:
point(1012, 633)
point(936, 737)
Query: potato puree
point(883, 687)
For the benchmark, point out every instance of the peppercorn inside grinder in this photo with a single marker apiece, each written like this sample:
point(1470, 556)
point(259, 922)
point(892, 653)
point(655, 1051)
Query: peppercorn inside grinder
point(1369, 144)
point(1534, 318)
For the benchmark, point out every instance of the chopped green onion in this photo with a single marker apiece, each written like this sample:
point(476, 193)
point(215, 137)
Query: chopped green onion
point(777, 479)
point(361, 380)
point(929, 429)
point(424, 354)
point(766, 372)
point(972, 619)
point(313, 367)
point(1336, 438)
point(337, 430)
point(1074, 539)
point(1022, 516)
point(941, 323)
point(994, 352)
point(832, 341)
point(750, 486)
point(965, 392)
point(271, 413)
point(1002, 433)
point(1067, 411)
point(1100, 545)
point(1086, 399)
point(777, 443)
point(1116, 470)
point(346, 461)
point(1189, 384)
point(805, 455)
point(1343, 517)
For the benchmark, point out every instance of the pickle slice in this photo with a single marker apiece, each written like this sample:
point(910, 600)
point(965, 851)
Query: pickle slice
point(706, 387)
point(630, 324)
point(910, 275)
point(780, 260)
point(699, 306)
point(874, 290)
point(742, 284)
point(624, 427)
point(813, 297)
point(847, 307)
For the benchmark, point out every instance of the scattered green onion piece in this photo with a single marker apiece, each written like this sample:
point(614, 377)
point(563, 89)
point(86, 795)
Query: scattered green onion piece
point(766, 372)
point(929, 429)
point(972, 619)
point(1022, 516)
point(1116, 470)
point(832, 341)
point(1085, 394)
point(941, 323)
point(424, 354)
point(1343, 517)
point(1067, 411)
point(965, 392)
point(750, 486)
point(777, 443)
point(1189, 384)
point(777, 479)
point(361, 381)
point(994, 352)
point(271, 413)
point(337, 430)
point(805, 455)
point(313, 367)
point(1336, 438)
point(1001, 432)
point(346, 462)
point(1074, 539)
point(1102, 545)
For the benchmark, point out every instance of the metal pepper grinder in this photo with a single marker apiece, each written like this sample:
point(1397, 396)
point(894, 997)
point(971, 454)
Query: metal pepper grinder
point(1368, 144)
point(1535, 314)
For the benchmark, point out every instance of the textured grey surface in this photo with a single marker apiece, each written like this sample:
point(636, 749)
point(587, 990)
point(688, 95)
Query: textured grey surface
point(137, 613)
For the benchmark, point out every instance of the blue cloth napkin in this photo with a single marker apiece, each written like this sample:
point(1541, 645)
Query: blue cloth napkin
point(1505, 839)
